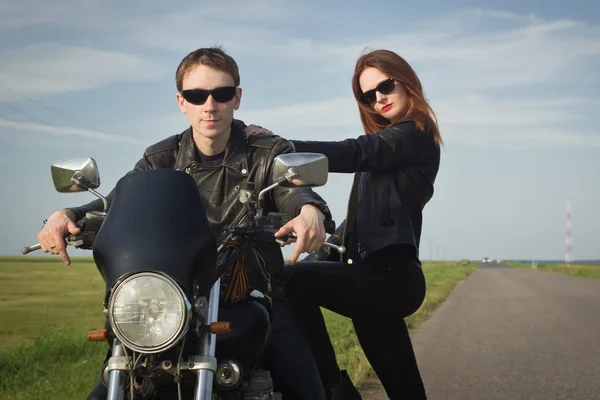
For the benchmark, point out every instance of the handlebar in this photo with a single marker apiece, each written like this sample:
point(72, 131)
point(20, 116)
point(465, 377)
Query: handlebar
point(272, 223)
point(71, 240)
point(340, 249)
point(29, 249)
point(291, 239)
point(88, 226)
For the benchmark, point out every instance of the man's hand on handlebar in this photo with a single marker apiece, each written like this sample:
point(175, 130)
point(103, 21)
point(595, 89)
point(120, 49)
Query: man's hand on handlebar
point(52, 236)
point(309, 229)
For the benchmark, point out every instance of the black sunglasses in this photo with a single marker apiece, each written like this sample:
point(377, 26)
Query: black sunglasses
point(199, 96)
point(384, 87)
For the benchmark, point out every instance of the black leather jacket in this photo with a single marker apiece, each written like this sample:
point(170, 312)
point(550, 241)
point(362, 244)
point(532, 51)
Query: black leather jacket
point(399, 166)
point(247, 159)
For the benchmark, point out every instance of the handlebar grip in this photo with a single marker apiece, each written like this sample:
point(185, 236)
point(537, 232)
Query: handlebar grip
point(29, 249)
point(340, 249)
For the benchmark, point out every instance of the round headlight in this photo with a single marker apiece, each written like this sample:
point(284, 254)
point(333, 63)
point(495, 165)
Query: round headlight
point(148, 312)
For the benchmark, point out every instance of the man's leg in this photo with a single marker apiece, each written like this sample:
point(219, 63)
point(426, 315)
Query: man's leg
point(100, 392)
point(290, 359)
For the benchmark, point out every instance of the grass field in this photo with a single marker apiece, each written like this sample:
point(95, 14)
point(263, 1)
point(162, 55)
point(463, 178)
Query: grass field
point(577, 270)
point(46, 309)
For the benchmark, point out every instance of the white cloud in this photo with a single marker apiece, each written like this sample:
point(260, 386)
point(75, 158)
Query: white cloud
point(51, 130)
point(107, 15)
point(458, 70)
point(41, 69)
point(519, 138)
point(486, 111)
point(35, 12)
point(451, 55)
point(462, 59)
point(475, 120)
point(325, 114)
point(448, 50)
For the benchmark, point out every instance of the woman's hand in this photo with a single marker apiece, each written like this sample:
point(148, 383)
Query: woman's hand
point(253, 130)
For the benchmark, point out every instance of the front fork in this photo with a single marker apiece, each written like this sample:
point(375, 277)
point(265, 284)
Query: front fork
point(117, 364)
point(206, 364)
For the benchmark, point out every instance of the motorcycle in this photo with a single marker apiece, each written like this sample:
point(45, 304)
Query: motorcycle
point(171, 325)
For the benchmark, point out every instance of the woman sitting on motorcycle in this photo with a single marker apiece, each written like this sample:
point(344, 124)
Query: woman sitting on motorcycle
point(379, 281)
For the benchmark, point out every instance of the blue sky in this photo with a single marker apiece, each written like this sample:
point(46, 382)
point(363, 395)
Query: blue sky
point(515, 88)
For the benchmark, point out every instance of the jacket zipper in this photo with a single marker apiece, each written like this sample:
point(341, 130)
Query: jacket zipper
point(347, 221)
point(237, 219)
point(243, 214)
point(267, 275)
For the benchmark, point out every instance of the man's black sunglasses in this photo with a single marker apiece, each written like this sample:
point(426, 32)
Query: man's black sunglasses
point(199, 96)
point(384, 87)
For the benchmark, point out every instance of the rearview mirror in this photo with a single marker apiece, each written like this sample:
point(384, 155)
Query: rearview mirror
point(301, 169)
point(75, 175)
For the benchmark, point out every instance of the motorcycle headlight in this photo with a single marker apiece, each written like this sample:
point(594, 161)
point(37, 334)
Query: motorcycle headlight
point(148, 312)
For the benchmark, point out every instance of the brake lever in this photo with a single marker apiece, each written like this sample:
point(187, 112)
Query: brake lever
point(71, 240)
point(94, 218)
point(292, 239)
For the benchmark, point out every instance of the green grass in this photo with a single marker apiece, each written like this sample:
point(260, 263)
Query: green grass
point(40, 297)
point(46, 309)
point(578, 270)
point(59, 366)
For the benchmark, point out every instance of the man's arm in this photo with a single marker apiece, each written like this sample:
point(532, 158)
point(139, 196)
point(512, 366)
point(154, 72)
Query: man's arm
point(97, 205)
point(62, 222)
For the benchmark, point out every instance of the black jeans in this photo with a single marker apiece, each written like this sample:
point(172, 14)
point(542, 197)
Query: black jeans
point(377, 295)
point(290, 359)
point(288, 356)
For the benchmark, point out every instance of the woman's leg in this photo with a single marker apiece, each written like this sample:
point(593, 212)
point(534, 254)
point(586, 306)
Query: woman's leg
point(387, 345)
point(355, 291)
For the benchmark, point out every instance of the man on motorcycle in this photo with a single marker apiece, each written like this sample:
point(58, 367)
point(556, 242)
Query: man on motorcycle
point(215, 151)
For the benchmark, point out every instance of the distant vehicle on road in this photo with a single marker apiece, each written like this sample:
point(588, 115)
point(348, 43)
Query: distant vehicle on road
point(486, 260)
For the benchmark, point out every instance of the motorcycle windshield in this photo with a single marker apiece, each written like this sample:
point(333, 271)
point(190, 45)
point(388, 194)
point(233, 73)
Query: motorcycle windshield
point(156, 222)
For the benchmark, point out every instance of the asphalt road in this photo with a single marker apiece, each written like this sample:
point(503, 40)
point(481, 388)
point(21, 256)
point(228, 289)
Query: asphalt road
point(507, 333)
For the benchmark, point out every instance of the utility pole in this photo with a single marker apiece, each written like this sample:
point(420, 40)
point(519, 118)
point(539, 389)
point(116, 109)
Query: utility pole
point(569, 239)
point(430, 249)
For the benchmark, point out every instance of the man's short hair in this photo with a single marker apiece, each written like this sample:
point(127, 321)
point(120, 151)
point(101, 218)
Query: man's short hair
point(213, 57)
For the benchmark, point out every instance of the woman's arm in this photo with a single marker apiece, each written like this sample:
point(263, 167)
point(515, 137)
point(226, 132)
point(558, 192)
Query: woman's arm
point(395, 146)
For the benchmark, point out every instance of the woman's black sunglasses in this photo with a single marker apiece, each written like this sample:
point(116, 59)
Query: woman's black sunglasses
point(384, 87)
point(199, 96)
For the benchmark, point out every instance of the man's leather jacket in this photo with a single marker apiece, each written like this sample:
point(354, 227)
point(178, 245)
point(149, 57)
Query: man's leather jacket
point(246, 159)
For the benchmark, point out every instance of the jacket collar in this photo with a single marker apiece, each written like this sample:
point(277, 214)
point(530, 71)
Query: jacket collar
point(235, 152)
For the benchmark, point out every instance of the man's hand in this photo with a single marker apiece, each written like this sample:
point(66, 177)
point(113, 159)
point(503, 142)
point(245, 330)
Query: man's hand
point(309, 229)
point(252, 130)
point(52, 236)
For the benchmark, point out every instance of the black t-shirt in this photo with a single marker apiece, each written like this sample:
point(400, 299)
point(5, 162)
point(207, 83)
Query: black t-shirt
point(210, 161)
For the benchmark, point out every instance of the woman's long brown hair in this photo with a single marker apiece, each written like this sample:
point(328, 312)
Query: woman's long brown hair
point(396, 67)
